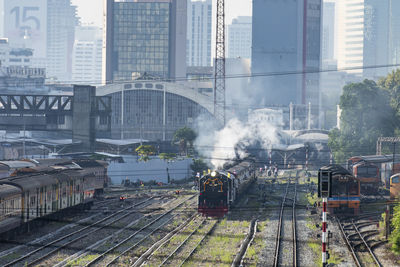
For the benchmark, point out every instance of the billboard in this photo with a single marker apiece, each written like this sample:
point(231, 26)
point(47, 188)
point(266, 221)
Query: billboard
point(25, 23)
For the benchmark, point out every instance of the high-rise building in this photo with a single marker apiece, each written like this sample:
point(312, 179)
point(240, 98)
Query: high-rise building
point(198, 51)
point(87, 55)
point(286, 51)
point(239, 38)
point(14, 57)
point(368, 36)
point(61, 23)
point(47, 27)
point(144, 36)
point(328, 31)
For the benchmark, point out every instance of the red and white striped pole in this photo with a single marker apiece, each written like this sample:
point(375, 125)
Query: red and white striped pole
point(324, 234)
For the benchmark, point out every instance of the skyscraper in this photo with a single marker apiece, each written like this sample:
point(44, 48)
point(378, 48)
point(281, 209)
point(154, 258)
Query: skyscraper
point(47, 27)
point(286, 42)
point(368, 36)
point(87, 55)
point(144, 36)
point(198, 51)
point(239, 38)
point(61, 23)
point(328, 31)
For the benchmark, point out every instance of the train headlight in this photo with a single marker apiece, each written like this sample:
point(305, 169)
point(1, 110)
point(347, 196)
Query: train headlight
point(213, 174)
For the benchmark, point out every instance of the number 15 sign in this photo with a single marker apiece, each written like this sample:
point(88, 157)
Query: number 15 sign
point(25, 23)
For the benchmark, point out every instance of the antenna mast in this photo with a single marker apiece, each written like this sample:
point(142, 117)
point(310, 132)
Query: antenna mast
point(219, 73)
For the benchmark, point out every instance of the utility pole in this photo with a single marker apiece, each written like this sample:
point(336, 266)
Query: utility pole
point(219, 73)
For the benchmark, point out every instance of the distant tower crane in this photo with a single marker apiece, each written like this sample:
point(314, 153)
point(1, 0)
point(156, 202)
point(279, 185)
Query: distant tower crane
point(219, 73)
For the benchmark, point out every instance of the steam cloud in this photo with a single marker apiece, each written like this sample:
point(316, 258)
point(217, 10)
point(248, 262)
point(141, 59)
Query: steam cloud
point(221, 146)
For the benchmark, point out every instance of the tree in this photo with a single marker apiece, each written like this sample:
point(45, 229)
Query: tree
point(184, 137)
point(145, 151)
point(198, 166)
point(395, 235)
point(391, 84)
point(167, 156)
point(366, 115)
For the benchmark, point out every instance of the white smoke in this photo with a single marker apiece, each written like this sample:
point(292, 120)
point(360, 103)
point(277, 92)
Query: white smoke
point(224, 145)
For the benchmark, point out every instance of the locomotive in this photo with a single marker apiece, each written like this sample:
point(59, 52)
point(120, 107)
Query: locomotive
point(219, 189)
point(345, 190)
point(40, 193)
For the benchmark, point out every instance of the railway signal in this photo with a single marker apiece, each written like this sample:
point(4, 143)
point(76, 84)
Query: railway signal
point(324, 191)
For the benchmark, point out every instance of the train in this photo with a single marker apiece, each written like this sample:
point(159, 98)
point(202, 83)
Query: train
point(374, 171)
point(345, 190)
point(218, 190)
point(48, 192)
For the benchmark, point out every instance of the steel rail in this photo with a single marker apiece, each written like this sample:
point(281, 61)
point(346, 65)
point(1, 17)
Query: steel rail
point(294, 233)
point(198, 244)
point(279, 231)
point(102, 255)
point(163, 241)
point(348, 243)
point(367, 245)
point(182, 244)
point(29, 254)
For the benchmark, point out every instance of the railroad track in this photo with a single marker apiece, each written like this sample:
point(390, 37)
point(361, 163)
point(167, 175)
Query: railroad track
point(278, 256)
point(101, 255)
point(50, 248)
point(361, 243)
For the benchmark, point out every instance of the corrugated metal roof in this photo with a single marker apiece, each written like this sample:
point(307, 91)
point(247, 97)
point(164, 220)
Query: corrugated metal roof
point(17, 164)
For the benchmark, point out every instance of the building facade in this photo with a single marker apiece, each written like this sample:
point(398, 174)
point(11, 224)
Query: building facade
point(199, 29)
point(87, 55)
point(144, 36)
point(285, 53)
point(368, 36)
point(61, 23)
point(328, 31)
point(239, 37)
point(154, 110)
point(9, 56)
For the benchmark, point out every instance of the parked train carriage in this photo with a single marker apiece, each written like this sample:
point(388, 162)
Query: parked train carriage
point(216, 192)
point(10, 207)
point(345, 190)
point(395, 186)
point(370, 182)
point(369, 176)
point(96, 169)
point(245, 174)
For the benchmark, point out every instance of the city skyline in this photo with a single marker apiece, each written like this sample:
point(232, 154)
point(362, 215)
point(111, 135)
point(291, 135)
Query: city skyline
point(89, 15)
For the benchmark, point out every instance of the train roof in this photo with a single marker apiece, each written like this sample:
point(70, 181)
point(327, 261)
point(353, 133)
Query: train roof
point(335, 169)
point(378, 158)
point(27, 182)
point(6, 190)
point(10, 164)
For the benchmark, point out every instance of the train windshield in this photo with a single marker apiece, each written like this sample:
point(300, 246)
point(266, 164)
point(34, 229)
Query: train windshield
point(367, 171)
point(339, 188)
point(396, 180)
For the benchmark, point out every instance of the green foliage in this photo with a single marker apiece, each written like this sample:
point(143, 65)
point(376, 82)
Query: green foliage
point(184, 137)
point(366, 115)
point(145, 151)
point(394, 238)
point(167, 156)
point(198, 165)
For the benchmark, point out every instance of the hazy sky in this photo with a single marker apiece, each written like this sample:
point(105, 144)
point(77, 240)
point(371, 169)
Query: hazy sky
point(91, 11)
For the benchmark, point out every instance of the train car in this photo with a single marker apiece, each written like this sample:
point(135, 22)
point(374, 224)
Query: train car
point(374, 171)
point(35, 193)
point(345, 190)
point(395, 186)
point(220, 189)
point(369, 176)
